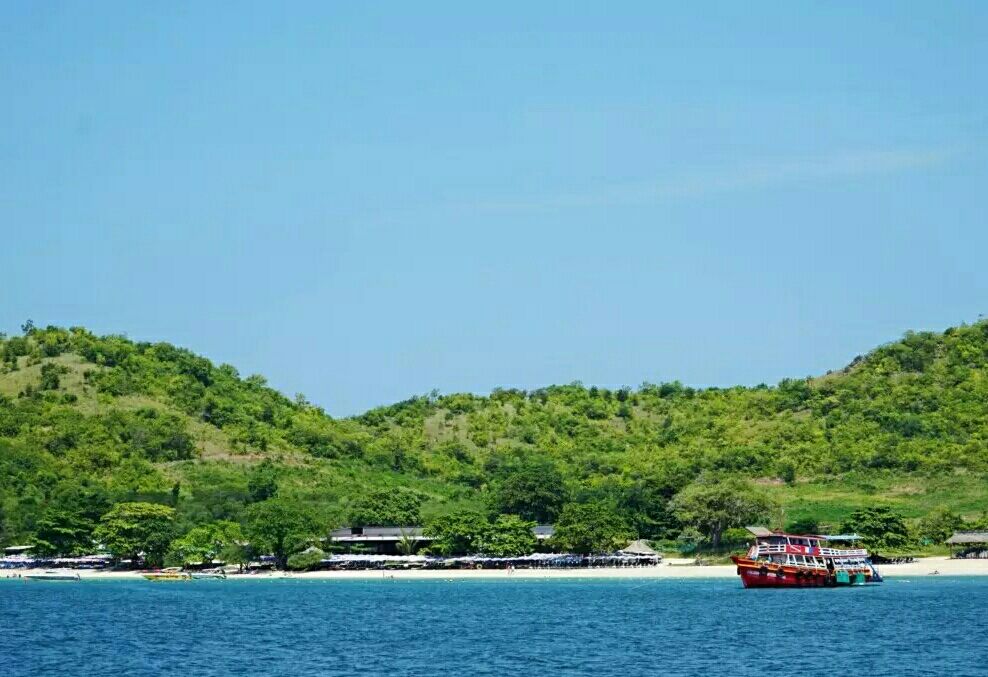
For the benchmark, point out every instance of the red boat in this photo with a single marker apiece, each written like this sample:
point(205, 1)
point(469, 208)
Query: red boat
point(779, 560)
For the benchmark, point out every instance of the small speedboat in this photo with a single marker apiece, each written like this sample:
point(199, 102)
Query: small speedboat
point(208, 575)
point(53, 576)
point(169, 574)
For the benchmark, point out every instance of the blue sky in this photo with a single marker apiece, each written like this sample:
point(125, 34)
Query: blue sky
point(368, 202)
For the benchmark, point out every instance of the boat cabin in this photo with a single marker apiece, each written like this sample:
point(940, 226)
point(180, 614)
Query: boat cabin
point(802, 550)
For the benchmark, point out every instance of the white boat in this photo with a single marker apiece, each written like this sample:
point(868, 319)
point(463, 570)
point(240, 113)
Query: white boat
point(53, 576)
point(208, 575)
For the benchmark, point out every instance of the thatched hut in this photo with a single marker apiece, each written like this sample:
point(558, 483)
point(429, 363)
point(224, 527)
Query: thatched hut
point(969, 544)
point(641, 551)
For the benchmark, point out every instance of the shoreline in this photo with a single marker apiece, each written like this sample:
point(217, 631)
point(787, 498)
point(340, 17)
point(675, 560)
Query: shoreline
point(669, 569)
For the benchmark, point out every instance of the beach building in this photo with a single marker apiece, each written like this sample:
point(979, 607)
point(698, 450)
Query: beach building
point(969, 545)
point(379, 540)
point(395, 540)
point(640, 549)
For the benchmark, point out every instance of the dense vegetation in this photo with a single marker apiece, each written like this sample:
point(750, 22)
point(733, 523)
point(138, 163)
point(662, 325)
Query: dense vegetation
point(90, 425)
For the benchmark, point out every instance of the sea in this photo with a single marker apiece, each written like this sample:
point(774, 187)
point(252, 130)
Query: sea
point(933, 625)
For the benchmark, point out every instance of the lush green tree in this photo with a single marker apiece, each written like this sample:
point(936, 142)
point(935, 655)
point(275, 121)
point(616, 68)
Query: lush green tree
point(388, 506)
point(689, 540)
point(587, 528)
point(532, 488)
point(881, 526)
point(939, 525)
point(205, 543)
point(644, 502)
point(277, 524)
point(803, 525)
point(133, 530)
point(717, 505)
point(62, 531)
point(508, 536)
point(456, 533)
point(238, 552)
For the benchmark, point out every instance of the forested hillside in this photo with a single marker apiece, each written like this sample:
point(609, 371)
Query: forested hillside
point(87, 422)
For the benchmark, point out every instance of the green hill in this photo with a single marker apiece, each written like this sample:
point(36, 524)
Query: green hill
point(90, 421)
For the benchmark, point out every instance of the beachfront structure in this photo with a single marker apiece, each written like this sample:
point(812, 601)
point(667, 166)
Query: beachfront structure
point(640, 551)
point(969, 544)
point(379, 540)
point(392, 540)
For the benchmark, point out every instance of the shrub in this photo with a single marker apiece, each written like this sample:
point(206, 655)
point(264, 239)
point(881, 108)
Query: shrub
point(306, 560)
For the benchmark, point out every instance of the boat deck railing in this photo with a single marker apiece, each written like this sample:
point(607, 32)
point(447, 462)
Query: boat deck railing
point(784, 549)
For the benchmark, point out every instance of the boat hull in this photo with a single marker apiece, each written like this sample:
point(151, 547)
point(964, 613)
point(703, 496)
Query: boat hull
point(755, 574)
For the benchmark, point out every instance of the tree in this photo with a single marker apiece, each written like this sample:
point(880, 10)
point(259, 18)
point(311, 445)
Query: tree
point(457, 533)
point(205, 543)
point(880, 525)
point(407, 543)
point(645, 503)
point(939, 525)
point(50, 376)
point(532, 488)
point(262, 483)
point(712, 507)
point(508, 536)
point(787, 471)
point(61, 531)
point(307, 559)
point(276, 524)
point(587, 528)
point(804, 525)
point(387, 507)
point(130, 530)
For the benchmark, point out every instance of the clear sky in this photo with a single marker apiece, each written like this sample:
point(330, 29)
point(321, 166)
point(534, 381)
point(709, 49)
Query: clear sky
point(367, 202)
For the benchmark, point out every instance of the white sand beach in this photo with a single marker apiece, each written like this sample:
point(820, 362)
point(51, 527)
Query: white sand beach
point(670, 568)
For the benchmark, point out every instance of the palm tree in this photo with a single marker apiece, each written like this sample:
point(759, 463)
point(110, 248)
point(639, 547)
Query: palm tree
point(406, 544)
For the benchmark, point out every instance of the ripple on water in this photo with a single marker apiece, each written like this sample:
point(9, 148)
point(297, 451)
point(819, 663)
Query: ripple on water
point(559, 627)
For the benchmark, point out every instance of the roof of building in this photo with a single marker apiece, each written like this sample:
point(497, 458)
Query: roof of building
point(378, 534)
point(395, 534)
point(639, 547)
point(760, 531)
point(18, 548)
point(965, 537)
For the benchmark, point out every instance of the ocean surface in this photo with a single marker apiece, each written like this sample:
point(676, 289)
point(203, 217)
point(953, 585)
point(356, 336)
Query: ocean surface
point(922, 626)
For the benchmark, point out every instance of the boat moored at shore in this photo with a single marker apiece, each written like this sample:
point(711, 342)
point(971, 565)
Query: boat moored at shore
point(170, 574)
point(52, 576)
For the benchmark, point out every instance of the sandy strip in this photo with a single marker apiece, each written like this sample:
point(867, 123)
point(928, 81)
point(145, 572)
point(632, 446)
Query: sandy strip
point(671, 568)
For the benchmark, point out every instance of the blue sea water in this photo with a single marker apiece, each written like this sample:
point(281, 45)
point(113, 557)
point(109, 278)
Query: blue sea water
point(923, 626)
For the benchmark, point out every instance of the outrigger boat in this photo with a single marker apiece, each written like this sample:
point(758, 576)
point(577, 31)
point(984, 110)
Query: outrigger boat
point(169, 574)
point(779, 560)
